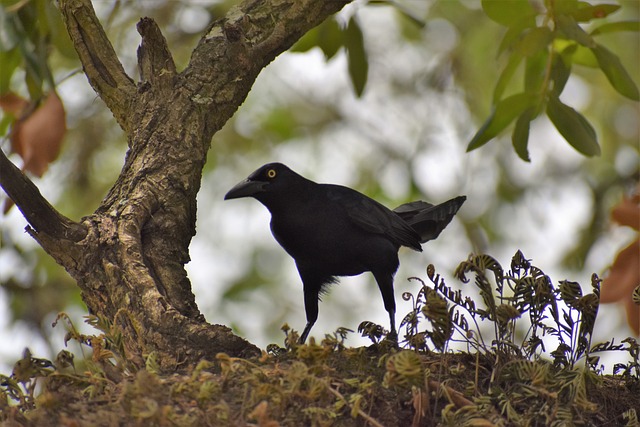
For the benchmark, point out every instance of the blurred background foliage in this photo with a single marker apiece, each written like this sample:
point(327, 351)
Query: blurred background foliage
point(385, 97)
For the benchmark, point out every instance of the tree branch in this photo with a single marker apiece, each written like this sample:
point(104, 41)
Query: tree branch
point(236, 48)
point(154, 59)
point(36, 209)
point(130, 266)
point(101, 65)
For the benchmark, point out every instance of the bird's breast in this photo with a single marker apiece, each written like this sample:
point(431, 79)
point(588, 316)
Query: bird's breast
point(303, 233)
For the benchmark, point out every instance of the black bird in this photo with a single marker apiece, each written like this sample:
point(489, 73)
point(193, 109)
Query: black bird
point(331, 230)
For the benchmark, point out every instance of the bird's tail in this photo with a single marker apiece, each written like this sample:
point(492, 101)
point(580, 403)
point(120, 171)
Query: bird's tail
point(429, 220)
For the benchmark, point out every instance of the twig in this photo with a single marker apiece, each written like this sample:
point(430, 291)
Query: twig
point(367, 417)
point(43, 217)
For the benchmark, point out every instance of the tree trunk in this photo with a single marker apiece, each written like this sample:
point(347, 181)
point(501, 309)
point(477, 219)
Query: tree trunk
point(128, 257)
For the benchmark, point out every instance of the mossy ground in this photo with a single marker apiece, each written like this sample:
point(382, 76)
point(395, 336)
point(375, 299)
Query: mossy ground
point(506, 379)
point(325, 384)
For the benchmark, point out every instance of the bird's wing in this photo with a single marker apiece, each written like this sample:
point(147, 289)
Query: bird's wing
point(373, 217)
point(429, 220)
point(411, 208)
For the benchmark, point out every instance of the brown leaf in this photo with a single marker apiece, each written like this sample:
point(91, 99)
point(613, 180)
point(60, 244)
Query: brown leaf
point(13, 104)
point(623, 276)
point(627, 213)
point(38, 136)
point(16, 106)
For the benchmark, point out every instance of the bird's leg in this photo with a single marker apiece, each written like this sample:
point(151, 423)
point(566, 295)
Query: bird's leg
point(311, 292)
point(385, 283)
point(305, 333)
point(393, 335)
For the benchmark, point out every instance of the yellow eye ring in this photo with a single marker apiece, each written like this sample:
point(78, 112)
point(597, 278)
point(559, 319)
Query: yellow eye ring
point(271, 173)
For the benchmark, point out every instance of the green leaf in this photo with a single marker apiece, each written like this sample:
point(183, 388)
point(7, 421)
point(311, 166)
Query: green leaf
point(585, 57)
point(507, 14)
point(534, 41)
point(52, 25)
point(570, 28)
point(616, 74)
point(6, 121)
point(561, 69)
point(505, 76)
point(565, 6)
point(534, 71)
point(306, 42)
point(330, 38)
point(34, 85)
point(520, 135)
point(613, 27)
point(586, 12)
point(34, 73)
point(515, 31)
point(532, 46)
point(27, 21)
point(510, 37)
point(356, 56)
point(10, 61)
point(503, 114)
point(573, 127)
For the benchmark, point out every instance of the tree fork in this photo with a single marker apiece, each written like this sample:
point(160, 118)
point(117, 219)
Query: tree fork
point(128, 257)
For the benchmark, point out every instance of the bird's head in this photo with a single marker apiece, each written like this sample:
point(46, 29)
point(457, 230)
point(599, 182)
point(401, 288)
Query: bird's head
point(268, 179)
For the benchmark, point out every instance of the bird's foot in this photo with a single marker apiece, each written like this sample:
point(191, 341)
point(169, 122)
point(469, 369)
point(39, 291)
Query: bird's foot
point(390, 341)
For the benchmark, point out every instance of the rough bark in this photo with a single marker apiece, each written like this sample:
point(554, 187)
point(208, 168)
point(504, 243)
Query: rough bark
point(128, 257)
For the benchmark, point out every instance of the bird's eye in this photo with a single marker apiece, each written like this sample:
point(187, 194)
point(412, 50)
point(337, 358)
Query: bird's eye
point(271, 173)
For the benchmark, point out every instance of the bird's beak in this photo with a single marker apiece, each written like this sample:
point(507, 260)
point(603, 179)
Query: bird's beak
point(245, 188)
